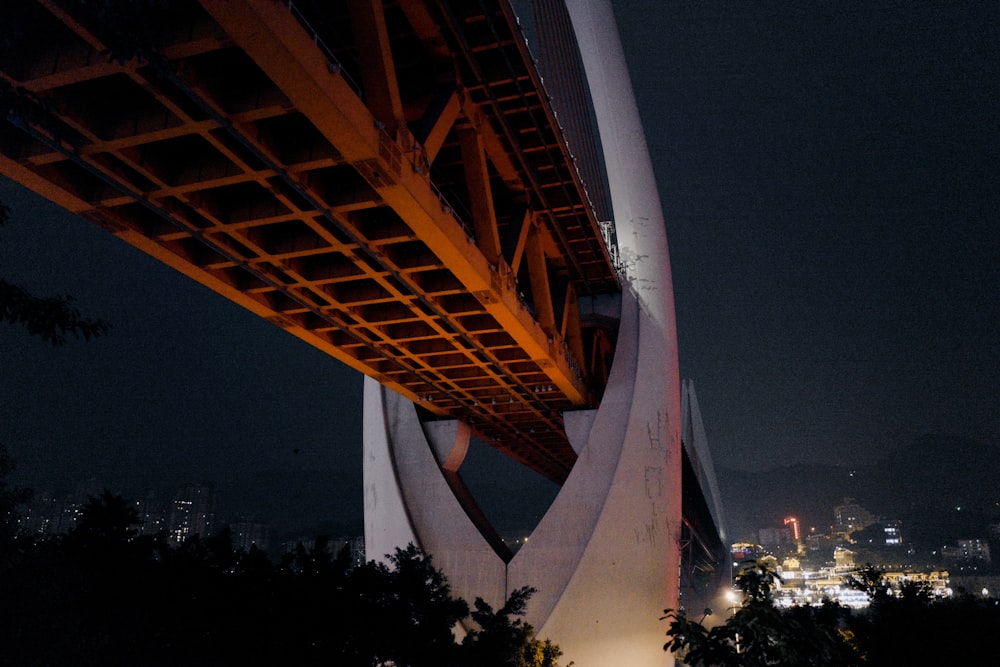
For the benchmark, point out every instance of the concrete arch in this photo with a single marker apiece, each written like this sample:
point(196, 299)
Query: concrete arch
point(605, 557)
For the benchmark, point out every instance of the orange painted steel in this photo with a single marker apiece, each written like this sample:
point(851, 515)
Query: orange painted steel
point(242, 153)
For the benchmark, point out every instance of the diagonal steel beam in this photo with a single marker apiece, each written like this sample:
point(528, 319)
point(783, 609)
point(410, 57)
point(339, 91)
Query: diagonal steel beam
point(275, 40)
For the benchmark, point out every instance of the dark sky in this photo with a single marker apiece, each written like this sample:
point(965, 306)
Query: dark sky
point(829, 178)
point(829, 174)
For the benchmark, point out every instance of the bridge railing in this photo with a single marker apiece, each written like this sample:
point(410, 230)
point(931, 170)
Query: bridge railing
point(413, 157)
point(334, 63)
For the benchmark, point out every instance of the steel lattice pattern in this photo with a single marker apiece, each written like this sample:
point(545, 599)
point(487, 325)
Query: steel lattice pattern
point(327, 223)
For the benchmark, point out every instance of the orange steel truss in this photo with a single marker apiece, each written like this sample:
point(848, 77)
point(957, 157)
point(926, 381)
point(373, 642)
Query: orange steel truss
point(385, 180)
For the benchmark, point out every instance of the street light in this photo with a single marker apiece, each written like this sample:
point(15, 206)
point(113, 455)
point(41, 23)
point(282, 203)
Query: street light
point(733, 598)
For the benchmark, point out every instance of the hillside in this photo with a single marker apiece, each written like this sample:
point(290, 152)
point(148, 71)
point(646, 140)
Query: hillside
point(942, 488)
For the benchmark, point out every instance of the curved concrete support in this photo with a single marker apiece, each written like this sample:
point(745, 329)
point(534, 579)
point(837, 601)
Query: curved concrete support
point(605, 557)
point(408, 497)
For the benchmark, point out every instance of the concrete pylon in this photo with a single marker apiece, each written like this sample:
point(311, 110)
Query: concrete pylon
point(605, 557)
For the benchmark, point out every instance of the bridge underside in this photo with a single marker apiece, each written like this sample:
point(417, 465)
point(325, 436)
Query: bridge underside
point(388, 181)
point(385, 180)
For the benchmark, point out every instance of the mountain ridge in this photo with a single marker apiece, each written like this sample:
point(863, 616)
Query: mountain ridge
point(941, 486)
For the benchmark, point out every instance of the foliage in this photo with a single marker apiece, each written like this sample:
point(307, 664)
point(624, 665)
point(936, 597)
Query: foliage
point(869, 579)
point(912, 627)
point(105, 595)
point(504, 639)
point(52, 319)
point(760, 634)
point(756, 581)
point(908, 628)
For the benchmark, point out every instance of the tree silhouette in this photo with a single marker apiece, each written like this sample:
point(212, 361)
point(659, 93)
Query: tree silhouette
point(504, 639)
point(53, 318)
point(103, 594)
point(760, 634)
point(871, 581)
point(910, 627)
point(757, 580)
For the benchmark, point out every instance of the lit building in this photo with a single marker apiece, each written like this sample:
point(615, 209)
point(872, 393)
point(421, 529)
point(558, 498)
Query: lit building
point(936, 582)
point(791, 564)
point(850, 516)
point(744, 551)
point(893, 535)
point(192, 513)
point(844, 559)
point(153, 514)
point(794, 523)
point(968, 554)
point(813, 586)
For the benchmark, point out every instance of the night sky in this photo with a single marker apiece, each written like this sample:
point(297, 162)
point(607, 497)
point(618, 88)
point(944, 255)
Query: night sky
point(829, 178)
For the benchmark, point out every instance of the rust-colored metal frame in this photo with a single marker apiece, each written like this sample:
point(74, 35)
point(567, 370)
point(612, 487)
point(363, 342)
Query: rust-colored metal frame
point(384, 180)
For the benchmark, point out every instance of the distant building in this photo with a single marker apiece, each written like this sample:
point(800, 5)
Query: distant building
point(791, 564)
point(46, 515)
point(893, 533)
point(247, 534)
point(774, 538)
point(813, 586)
point(192, 513)
point(744, 551)
point(153, 515)
point(936, 582)
point(819, 545)
point(38, 516)
point(332, 545)
point(355, 547)
point(844, 559)
point(850, 516)
point(968, 554)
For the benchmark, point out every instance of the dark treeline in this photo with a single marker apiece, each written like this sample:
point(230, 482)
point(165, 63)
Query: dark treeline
point(105, 595)
point(910, 627)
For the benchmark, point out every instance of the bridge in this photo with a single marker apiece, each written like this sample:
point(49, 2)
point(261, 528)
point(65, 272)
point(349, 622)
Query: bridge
point(399, 183)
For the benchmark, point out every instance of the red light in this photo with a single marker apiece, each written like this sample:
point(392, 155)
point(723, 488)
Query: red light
point(795, 526)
